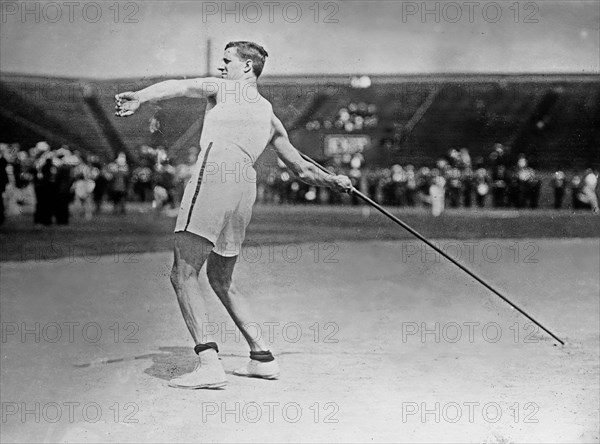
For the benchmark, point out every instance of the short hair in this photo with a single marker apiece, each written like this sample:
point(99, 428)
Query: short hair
point(252, 51)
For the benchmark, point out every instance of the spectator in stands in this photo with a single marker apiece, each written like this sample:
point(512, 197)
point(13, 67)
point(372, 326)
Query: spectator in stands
point(64, 183)
point(268, 187)
point(100, 184)
point(373, 184)
point(3, 183)
point(498, 156)
point(587, 191)
point(576, 185)
point(528, 184)
point(466, 176)
point(83, 188)
point(454, 186)
point(437, 192)
point(19, 166)
point(141, 179)
point(467, 186)
point(392, 185)
point(500, 180)
point(118, 183)
point(513, 191)
point(411, 185)
point(23, 172)
point(163, 180)
point(482, 186)
point(523, 176)
point(559, 186)
point(453, 157)
point(46, 192)
point(534, 190)
point(465, 159)
point(423, 185)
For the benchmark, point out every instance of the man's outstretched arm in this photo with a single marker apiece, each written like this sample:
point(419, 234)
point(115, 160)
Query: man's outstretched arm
point(129, 102)
point(306, 171)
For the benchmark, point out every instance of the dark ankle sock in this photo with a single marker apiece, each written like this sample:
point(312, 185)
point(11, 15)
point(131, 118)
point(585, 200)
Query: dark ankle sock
point(201, 347)
point(262, 356)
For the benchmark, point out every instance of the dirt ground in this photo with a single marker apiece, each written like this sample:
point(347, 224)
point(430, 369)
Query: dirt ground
point(378, 341)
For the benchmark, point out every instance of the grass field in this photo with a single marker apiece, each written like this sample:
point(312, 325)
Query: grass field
point(378, 338)
point(142, 231)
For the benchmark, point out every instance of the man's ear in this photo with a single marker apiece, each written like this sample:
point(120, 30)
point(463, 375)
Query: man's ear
point(248, 66)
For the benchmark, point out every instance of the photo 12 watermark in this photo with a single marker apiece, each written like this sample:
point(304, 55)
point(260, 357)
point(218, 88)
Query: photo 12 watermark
point(53, 251)
point(469, 332)
point(69, 332)
point(522, 252)
point(270, 12)
point(273, 331)
point(69, 412)
point(470, 12)
point(290, 253)
point(270, 412)
point(469, 412)
point(64, 12)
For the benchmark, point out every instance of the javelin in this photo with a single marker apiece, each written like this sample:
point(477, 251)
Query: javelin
point(423, 239)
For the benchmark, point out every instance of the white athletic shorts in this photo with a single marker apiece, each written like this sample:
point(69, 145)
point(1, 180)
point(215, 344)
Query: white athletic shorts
point(218, 199)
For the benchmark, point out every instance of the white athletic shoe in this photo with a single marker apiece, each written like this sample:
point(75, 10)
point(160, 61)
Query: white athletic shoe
point(208, 374)
point(258, 369)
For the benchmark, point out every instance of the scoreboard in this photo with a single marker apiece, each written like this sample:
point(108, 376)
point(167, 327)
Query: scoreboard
point(339, 145)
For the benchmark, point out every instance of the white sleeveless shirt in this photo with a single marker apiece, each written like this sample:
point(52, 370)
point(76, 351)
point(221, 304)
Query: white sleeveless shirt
point(239, 123)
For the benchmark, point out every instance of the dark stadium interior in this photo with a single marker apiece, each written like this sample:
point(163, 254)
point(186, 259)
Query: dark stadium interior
point(554, 120)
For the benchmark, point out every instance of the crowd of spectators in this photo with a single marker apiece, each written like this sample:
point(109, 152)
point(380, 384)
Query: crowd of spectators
point(354, 117)
point(499, 181)
point(58, 182)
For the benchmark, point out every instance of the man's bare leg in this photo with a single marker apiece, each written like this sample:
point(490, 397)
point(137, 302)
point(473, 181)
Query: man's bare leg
point(219, 270)
point(191, 252)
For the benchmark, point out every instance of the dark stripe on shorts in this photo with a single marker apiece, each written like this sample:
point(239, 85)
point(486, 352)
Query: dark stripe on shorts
point(198, 186)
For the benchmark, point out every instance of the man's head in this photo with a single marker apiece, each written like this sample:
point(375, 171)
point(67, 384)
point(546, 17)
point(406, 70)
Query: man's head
point(242, 58)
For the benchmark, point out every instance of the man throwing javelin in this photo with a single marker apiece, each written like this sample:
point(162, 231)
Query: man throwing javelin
point(217, 203)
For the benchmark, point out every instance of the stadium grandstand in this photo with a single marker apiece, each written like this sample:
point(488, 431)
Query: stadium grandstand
point(553, 119)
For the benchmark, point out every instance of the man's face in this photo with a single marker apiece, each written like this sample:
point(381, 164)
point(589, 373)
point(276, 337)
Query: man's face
point(232, 67)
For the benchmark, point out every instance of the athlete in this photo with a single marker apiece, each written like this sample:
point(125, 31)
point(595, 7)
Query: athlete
point(217, 203)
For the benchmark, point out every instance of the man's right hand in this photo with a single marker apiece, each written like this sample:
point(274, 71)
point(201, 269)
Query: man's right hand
point(127, 104)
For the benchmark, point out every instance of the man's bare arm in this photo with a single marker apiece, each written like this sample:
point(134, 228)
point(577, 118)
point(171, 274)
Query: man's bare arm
point(129, 102)
point(306, 171)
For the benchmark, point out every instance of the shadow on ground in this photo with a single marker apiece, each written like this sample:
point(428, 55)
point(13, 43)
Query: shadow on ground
point(171, 362)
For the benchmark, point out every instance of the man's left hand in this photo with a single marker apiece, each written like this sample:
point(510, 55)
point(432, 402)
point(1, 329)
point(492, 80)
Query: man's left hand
point(341, 184)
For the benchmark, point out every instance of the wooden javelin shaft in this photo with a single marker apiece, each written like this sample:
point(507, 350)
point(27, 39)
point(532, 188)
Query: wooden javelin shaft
point(423, 239)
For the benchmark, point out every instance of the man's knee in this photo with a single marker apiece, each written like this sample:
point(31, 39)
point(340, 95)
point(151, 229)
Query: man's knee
point(218, 280)
point(174, 276)
point(181, 272)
